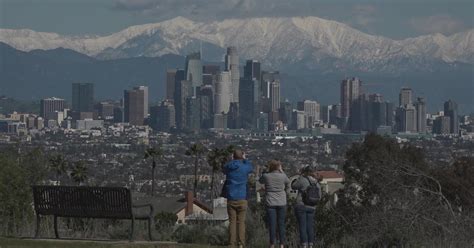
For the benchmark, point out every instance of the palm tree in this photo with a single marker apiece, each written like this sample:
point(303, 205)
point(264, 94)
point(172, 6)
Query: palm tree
point(217, 158)
point(79, 172)
point(58, 165)
point(196, 150)
point(214, 160)
point(154, 153)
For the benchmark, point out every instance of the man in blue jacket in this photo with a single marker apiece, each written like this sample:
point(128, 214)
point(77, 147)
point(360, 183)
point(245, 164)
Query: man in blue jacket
point(237, 172)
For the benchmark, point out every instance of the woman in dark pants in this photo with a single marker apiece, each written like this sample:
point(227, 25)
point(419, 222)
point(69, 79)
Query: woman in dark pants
point(276, 184)
point(305, 213)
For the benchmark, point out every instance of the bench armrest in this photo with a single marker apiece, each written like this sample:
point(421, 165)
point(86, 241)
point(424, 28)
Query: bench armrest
point(144, 205)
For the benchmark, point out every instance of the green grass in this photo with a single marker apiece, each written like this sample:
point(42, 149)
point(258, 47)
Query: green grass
point(45, 243)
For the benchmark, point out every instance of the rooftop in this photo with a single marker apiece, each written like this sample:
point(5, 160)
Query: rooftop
point(330, 174)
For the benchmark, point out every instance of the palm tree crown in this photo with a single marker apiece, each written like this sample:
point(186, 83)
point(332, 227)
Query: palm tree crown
point(58, 165)
point(79, 172)
point(196, 150)
point(216, 159)
point(153, 153)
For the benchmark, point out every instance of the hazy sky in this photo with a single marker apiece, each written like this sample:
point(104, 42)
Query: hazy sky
point(391, 18)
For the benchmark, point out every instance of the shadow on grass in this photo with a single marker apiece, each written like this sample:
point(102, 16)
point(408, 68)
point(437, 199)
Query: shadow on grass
point(94, 243)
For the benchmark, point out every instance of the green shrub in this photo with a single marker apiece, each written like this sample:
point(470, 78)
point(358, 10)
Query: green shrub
point(201, 234)
point(15, 195)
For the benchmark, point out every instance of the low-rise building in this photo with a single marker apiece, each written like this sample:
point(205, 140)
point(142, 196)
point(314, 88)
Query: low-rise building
point(182, 207)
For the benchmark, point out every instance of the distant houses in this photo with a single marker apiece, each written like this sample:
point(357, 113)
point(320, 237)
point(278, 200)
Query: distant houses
point(188, 209)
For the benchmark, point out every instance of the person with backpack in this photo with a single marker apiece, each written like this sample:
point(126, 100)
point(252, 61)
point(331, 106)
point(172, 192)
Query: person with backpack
point(235, 190)
point(309, 194)
point(276, 185)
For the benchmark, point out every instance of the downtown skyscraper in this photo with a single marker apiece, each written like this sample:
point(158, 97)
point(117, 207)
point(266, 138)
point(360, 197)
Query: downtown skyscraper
point(350, 92)
point(232, 65)
point(193, 69)
point(206, 96)
point(134, 101)
point(145, 99)
point(420, 107)
point(312, 111)
point(249, 94)
point(252, 69)
point(183, 91)
point(170, 83)
point(222, 94)
point(410, 116)
point(83, 97)
point(49, 106)
point(406, 118)
point(162, 117)
point(451, 111)
point(405, 97)
point(274, 101)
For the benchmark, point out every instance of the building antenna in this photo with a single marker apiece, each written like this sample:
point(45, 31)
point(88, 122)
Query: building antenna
point(200, 49)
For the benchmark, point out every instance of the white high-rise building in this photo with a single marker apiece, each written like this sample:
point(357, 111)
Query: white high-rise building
point(274, 96)
point(408, 119)
point(420, 107)
point(232, 65)
point(405, 96)
point(222, 96)
point(312, 111)
point(49, 106)
point(298, 119)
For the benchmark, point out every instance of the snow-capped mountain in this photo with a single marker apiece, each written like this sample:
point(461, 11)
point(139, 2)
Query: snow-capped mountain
point(311, 41)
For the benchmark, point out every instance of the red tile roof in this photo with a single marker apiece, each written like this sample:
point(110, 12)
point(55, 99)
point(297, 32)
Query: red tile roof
point(330, 174)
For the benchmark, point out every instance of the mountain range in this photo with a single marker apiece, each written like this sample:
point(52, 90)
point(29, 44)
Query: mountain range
point(44, 73)
point(311, 42)
point(312, 54)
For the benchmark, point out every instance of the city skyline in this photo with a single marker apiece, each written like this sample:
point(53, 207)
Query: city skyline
point(262, 68)
point(206, 101)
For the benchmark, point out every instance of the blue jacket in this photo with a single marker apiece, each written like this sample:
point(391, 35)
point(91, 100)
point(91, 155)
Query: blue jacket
point(237, 172)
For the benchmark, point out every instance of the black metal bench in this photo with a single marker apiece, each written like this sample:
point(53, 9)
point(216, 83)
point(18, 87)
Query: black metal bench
point(87, 202)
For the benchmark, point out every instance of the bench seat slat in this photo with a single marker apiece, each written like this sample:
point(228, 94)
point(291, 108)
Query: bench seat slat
point(86, 202)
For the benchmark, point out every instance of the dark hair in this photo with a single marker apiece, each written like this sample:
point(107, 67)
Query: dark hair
point(238, 154)
point(273, 165)
point(307, 170)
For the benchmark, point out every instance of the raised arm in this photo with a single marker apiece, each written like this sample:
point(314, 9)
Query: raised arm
point(249, 166)
point(299, 183)
point(287, 183)
point(261, 180)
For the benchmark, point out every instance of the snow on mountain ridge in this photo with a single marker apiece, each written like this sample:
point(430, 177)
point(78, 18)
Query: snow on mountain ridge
point(274, 40)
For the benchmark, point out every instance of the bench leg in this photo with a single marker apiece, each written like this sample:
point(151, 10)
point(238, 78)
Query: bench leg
point(149, 229)
point(38, 221)
point(132, 229)
point(56, 226)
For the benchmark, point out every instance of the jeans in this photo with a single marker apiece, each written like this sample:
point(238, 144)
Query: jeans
point(305, 218)
point(276, 221)
point(237, 211)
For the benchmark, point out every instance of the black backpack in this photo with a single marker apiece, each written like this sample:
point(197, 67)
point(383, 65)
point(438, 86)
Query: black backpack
point(311, 195)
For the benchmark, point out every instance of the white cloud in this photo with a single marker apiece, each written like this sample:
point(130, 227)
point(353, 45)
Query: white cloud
point(134, 5)
point(208, 9)
point(364, 15)
point(366, 9)
point(444, 24)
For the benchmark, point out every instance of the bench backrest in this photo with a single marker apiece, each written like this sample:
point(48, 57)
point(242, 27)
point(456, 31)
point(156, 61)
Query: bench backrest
point(80, 201)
